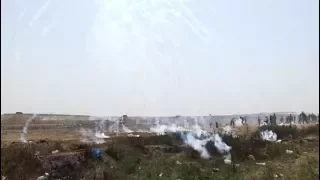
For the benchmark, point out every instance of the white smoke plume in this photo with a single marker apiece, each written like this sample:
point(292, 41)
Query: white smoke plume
point(25, 129)
point(227, 129)
point(191, 137)
point(263, 124)
point(101, 135)
point(126, 129)
point(287, 124)
point(200, 145)
point(238, 122)
point(88, 136)
point(163, 129)
point(196, 144)
point(268, 135)
point(97, 136)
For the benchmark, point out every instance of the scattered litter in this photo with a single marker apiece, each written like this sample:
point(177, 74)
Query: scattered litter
point(227, 161)
point(133, 135)
point(281, 175)
point(216, 169)
point(275, 176)
point(41, 178)
point(55, 151)
point(262, 164)
point(3, 177)
point(289, 151)
point(47, 174)
point(160, 174)
point(37, 153)
point(279, 141)
point(178, 162)
point(96, 153)
point(251, 157)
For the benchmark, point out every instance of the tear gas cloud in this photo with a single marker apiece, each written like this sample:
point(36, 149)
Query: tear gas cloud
point(88, 136)
point(268, 135)
point(196, 138)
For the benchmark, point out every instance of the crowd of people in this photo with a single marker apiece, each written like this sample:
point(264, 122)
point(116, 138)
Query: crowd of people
point(302, 118)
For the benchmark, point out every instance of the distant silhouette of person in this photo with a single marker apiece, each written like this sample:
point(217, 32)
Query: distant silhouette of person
point(243, 120)
point(281, 119)
point(274, 119)
point(266, 120)
point(290, 118)
point(270, 119)
point(232, 123)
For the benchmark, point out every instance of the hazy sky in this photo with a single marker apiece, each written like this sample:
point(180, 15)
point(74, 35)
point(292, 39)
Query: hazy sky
point(158, 57)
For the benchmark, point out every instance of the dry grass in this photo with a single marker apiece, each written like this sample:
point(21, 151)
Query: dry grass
point(148, 156)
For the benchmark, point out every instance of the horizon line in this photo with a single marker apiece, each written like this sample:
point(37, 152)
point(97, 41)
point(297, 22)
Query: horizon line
point(56, 114)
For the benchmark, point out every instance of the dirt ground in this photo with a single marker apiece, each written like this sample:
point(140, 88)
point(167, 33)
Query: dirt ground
point(55, 149)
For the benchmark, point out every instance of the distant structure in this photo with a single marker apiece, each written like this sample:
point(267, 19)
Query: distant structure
point(19, 113)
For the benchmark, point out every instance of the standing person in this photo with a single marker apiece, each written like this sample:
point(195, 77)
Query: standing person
point(274, 119)
point(259, 120)
point(281, 119)
point(266, 120)
point(243, 120)
point(290, 118)
point(302, 118)
point(232, 123)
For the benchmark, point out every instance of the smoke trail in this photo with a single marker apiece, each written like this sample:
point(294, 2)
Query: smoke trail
point(143, 24)
point(25, 129)
point(22, 13)
point(39, 13)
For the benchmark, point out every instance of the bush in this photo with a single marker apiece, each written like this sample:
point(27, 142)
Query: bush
point(18, 162)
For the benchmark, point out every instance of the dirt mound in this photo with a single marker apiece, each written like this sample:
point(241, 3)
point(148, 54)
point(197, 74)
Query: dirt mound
point(65, 165)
